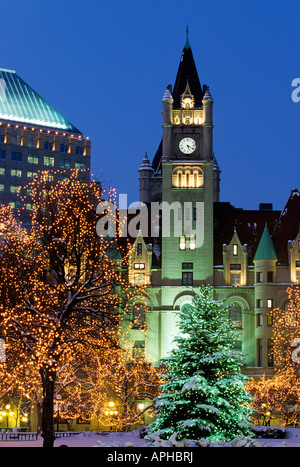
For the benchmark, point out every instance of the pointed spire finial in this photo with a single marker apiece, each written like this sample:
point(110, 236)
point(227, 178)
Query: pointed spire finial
point(187, 44)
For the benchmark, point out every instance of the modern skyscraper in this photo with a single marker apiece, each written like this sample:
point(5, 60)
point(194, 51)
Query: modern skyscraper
point(34, 137)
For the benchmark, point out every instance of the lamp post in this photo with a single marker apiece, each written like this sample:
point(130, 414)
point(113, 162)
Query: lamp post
point(56, 406)
point(111, 412)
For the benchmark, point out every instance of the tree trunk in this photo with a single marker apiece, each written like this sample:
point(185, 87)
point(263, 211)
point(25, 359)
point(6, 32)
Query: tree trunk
point(48, 378)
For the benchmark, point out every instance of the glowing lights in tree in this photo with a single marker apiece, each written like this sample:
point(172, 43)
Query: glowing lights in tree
point(61, 292)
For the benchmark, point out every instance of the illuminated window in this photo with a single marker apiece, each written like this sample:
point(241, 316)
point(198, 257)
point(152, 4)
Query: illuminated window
point(33, 160)
point(193, 242)
point(1, 187)
point(64, 164)
point(235, 249)
point(187, 177)
point(15, 188)
point(2, 170)
point(80, 165)
point(49, 161)
point(182, 242)
point(235, 279)
point(16, 173)
point(139, 266)
point(270, 303)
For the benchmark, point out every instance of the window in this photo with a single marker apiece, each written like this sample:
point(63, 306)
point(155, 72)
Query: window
point(139, 249)
point(297, 275)
point(182, 242)
point(33, 159)
point(259, 277)
point(269, 319)
point(2, 170)
point(270, 276)
point(258, 303)
point(192, 242)
point(2, 187)
point(2, 139)
point(2, 154)
point(32, 142)
point(187, 266)
point(235, 315)
point(187, 278)
point(31, 175)
point(15, 188)
point(259, 320)
point(48, 146)
point(139, 266)
point(235, 267)
point(79, 150)
point(64, 164)
point(80, 165)
point(270, 353)
point(138, 317)
point(16, 156)
point(16, 173)
point(49, 161)
point(270, 303)
point(235, 249)
point(235, 279)
point(64, 148)
point(259, 351)
point(138, 349)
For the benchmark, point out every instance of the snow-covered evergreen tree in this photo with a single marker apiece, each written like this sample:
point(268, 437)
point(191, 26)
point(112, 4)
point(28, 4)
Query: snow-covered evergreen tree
point(204, 394)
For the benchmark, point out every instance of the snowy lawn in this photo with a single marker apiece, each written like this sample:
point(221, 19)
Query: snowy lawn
point(132, 439)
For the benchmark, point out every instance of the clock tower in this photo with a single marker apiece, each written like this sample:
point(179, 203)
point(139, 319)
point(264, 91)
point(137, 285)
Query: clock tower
point(190, 179)
point(183, 179)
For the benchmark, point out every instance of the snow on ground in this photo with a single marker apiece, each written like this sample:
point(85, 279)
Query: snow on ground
point(132, 439)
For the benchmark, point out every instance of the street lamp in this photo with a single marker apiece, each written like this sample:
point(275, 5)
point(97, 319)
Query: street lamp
point(111, 411)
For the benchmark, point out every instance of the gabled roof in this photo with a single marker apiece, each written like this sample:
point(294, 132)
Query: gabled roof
point(20, 103)
point(265, 249)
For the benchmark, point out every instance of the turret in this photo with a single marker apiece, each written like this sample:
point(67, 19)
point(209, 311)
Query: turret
point(146, 173)
point(207, 125)
point(167, 102)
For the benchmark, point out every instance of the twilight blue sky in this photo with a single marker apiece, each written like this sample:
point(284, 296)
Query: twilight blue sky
point(105, 64)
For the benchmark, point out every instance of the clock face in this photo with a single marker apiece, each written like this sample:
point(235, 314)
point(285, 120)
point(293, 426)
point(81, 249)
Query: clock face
point(187, 145)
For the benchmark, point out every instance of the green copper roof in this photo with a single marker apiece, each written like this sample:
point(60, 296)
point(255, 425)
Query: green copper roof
point(265, 249)
point(20, 103)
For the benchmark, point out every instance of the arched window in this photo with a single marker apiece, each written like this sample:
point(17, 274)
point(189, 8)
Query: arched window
point(186, 176)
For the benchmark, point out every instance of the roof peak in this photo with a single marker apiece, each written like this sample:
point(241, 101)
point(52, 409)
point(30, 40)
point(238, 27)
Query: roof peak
point(265, 249)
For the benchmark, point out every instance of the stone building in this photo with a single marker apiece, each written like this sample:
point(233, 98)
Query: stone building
point(250, 257)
